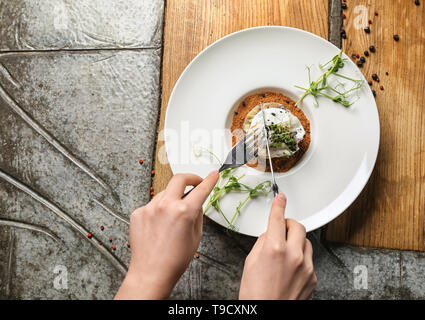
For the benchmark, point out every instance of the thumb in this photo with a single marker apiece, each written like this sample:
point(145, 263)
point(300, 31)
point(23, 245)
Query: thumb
point(201, 191)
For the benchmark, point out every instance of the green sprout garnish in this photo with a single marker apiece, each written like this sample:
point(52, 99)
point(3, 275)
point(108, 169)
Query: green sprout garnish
point(321, 86)
point(229, 182)
point(280, 134)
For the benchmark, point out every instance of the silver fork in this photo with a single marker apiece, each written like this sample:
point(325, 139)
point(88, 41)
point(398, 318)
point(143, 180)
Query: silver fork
point(242, 152)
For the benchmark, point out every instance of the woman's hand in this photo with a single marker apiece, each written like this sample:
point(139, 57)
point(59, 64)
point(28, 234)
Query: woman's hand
point(280, 265)
point(164, 236)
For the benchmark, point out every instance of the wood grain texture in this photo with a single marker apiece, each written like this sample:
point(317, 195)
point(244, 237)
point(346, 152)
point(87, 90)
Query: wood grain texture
point(191, 25)
point(390, 212)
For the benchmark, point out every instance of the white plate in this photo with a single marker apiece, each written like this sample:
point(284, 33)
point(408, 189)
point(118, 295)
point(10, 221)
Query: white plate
point(344, 144)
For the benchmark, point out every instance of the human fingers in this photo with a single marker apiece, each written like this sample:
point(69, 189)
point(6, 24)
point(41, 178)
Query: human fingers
point(296, 234)
point(179, 182)
point(201, 192)
point(276, 229)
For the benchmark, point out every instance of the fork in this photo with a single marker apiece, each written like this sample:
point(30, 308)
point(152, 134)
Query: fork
point(242, 152)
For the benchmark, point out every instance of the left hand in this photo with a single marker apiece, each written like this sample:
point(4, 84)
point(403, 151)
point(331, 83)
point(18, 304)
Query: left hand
point(164, 236)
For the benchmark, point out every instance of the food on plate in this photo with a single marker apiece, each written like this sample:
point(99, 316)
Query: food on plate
point(287, 125)
point(323, 86)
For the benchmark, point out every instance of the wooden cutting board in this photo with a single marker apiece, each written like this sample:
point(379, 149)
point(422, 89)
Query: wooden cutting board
point(390, 212)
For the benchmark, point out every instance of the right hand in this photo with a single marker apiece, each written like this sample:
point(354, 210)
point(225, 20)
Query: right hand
point(280, 265)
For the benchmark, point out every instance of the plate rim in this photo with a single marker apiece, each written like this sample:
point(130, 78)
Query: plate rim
point(313, 222)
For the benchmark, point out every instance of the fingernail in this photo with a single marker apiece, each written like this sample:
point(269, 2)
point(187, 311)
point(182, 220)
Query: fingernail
point(281, 197)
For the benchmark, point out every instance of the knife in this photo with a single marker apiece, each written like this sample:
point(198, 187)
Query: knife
point(266, 135)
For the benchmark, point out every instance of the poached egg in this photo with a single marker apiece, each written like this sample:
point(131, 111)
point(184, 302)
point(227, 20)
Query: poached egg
point(275, 114)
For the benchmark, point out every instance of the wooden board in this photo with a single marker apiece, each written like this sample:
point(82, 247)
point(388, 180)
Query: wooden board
point(191, 25)
point(390, 212)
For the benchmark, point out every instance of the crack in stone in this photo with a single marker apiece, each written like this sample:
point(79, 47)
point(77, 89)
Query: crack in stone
point(111, 212)
point(9, 76)
point(9, 262)
point(67, 218)
point(86, 50)
point(50, 139)
point(28, 226)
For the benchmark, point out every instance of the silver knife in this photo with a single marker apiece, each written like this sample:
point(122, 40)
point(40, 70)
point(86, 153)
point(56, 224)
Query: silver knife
point(266, 134)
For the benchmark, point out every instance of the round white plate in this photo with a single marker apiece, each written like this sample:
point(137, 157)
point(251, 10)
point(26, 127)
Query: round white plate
point(345, 141)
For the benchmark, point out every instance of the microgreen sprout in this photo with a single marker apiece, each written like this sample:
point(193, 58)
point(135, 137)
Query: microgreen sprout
point(229, 182)
point(321, 86)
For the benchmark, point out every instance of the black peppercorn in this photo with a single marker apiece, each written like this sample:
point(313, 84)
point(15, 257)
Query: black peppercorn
point(417, 2)
point(243, 103)
point(366, 53)
point(236, 113)
point(367, 30)
point(363, 59)
point(370, 83)
point(396, 37)
point(374, 93)
point(375, 76)
point(344, 6)
point(263, 95)
point(359, 63)
point(372, 49)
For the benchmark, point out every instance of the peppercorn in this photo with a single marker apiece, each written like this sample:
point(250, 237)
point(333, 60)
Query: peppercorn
point(152, 194)
point(153, 172)
point(367, 30)
point(377, 80)
point(343, 34)
point(344, 16)
point(141, 161)
point(353, 56)
point(128, 244)
point(243, 103)
point(370, 83)
point(102, 228)
point(374, 76)
point(89, 236)
point(374, 93)
point(263, 95)
point(357, 55)
point(151, 188)
point(396, 37)
point(376, 13)
point(114, 247)
point(386, 73)
point(372, 49)
point(381, 87)
point(363, 59)
point(344, 6)
point(417, 2)
point(110, 239)
point(359, 64)
point(236, 113)
point(197, 255)
point(369, 21)
point(366, 53)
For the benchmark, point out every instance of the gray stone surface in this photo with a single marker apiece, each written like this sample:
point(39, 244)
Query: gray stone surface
point(79, 97)
point(82, 24)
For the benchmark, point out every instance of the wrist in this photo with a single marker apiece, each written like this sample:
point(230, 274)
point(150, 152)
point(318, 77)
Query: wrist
point(143, 286)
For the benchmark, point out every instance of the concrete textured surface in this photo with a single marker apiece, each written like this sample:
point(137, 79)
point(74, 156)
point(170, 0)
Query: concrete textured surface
point(79, 98)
